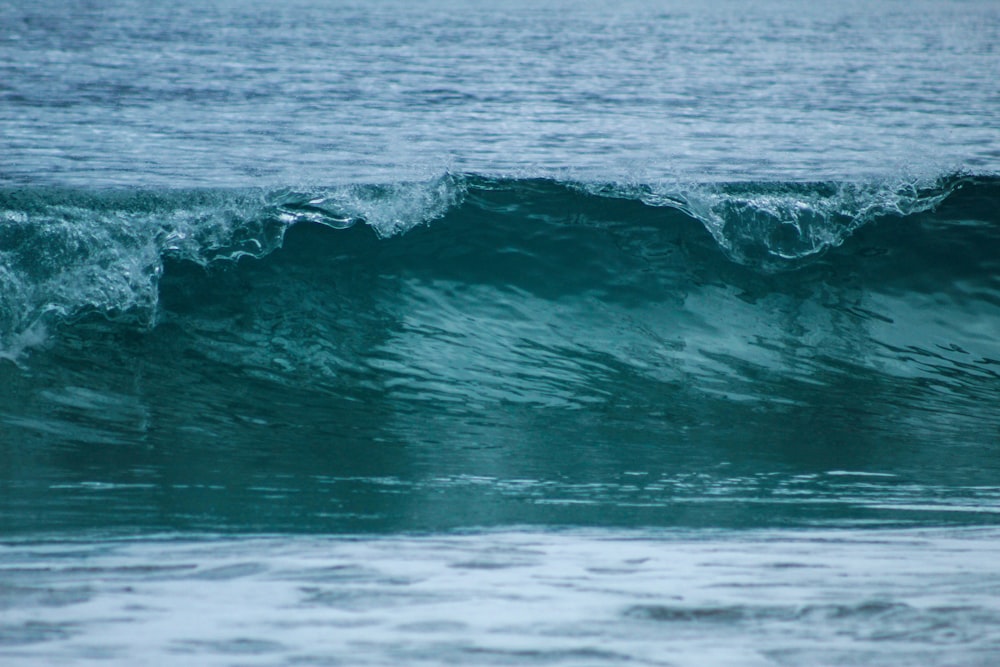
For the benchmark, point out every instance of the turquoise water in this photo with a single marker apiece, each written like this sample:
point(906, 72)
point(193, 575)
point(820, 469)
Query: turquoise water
point(434, 334)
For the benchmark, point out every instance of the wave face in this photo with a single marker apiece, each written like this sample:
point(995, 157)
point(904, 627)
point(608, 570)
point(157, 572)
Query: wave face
point(742, 341)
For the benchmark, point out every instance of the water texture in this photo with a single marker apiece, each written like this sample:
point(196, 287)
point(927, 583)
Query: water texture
point(576, 597)
point(229, 91)
point(440, 333)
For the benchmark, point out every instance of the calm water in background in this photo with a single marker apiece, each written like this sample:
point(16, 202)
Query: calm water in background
point(240, 93)
point(561, 334)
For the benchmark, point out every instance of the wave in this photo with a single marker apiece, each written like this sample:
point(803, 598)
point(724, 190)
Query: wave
point(70, 254)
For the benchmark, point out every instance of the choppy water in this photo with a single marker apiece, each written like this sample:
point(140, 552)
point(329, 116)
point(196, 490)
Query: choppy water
point(559, 334)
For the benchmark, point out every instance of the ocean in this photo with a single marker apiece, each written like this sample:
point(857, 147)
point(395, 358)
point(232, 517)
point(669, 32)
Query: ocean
point(452, 333)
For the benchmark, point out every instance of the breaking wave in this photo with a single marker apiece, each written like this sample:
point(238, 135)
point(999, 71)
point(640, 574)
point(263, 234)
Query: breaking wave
point(69, 253)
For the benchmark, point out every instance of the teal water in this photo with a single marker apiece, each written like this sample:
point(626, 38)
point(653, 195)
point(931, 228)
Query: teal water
point(555, 334)
point(532, 354)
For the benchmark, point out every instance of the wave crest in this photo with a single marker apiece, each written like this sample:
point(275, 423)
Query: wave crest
point(389, 209)
point(65, 253)
point(778, 226)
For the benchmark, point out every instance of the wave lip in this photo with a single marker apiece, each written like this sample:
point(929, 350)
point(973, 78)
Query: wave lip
point(68, 253)
point(776, 226)
point(389, 209)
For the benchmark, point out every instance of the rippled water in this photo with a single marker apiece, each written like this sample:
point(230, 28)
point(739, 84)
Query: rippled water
point(234, 90)
point(540, 334)
point(566, 597)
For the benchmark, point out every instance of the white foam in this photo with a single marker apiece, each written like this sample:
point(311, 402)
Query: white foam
point(566, 598)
